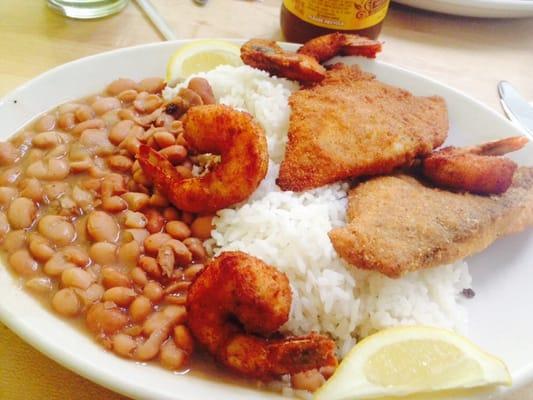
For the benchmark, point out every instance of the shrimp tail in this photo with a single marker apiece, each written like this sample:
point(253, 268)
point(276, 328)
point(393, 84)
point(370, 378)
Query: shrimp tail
point(269, 358)
point(478, 169)
point(324, 47)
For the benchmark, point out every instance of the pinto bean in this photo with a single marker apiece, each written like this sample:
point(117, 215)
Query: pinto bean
point(172, 357)
point(105, 318)
point(150, 266)
point(153, 242)
point(32, 189)
point(39, 284)
point(202, 227)
point(135, 219)
point(102, 227)
point(123, 345)
point(95, 123)
point(8, 153)
point(23, 263)
point(103, 253)
point(84, 112)
point(202, 87)
point(140, 308)
point(121, 296)
point(45, 123)
point(128, 253)
point(114, 204)
point(105, 104)
point(57, 229)
point(166, 259)
point(10, 176)
point(147, 104)
point(183, 338)
point(136, 201)
point(127, 96)
point(7, 194)
point(21, 213)
point(178, 230)
point(197, 249)
point(152, 85)
point(66, 302)
point(153, 291)
point(52, 169)
point(119, 163)
point(76, 277)
point(14, 240)
point(182, 254)
point(47, 140)
point(66, 121)
point(164, 139)
point(174, 153)
point(192, 270)
point(113, 278)
point(120, 85)
point(40, 248)
point(97, 142)
point(120, 131)
point(4, 226)
point(139, 276)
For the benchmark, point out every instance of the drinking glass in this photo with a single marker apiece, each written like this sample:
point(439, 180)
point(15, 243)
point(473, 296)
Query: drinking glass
point(86, 9)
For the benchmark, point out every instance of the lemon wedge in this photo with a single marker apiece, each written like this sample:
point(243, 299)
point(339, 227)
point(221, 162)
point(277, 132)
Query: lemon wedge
point(408, 360)
point(201, 56)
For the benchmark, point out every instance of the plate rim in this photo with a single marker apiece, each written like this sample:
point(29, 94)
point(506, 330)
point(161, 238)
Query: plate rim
point(497, 8)
point(89, 371)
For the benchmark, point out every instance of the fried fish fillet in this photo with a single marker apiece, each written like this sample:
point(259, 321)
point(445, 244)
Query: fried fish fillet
point(350, 125)
point(397, 224)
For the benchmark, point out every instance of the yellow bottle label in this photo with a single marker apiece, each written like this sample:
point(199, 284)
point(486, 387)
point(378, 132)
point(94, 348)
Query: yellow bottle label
point(339, 14)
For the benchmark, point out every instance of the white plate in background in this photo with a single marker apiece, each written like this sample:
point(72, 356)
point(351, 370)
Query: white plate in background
point(476, 8)
point(499, 315)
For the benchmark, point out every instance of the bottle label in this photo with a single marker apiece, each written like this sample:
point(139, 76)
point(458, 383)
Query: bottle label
point(339, 14)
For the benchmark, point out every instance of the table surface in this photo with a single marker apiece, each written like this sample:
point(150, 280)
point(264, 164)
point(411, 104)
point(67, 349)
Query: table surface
point(469, 54)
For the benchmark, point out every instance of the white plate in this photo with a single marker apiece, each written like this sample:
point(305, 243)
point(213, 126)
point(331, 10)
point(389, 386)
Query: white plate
point(499, 314)
point(476, 8)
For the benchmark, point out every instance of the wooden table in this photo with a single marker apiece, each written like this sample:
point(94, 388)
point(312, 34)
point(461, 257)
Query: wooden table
point(471, 55)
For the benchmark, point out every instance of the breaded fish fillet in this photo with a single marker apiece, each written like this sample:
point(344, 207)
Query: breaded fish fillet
point(350, 125)
point(397, 224)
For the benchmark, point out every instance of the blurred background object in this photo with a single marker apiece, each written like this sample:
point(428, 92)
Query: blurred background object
point(302, 20)
point(87, 9)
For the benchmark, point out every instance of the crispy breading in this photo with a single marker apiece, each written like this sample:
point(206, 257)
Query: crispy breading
point(268, 56)
point(397, 224)
point(350, 125)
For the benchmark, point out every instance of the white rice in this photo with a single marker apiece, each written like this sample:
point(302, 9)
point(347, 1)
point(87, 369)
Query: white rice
point(289, 231)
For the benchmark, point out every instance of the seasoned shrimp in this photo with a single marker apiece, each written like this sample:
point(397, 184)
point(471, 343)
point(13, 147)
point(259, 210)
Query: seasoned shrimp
point(475, 169)
point(328, 46)
point(235, 307)
point(217, 129)
point(268, 56)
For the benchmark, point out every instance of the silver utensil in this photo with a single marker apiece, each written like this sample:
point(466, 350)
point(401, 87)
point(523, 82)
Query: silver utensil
point(517, 109)
point(157, 19)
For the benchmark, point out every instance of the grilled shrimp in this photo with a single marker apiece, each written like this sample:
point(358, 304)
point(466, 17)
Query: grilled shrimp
point(328, 46)
point(236, 306)
point(221, 130)
point(268, 56)
point(476, 169)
